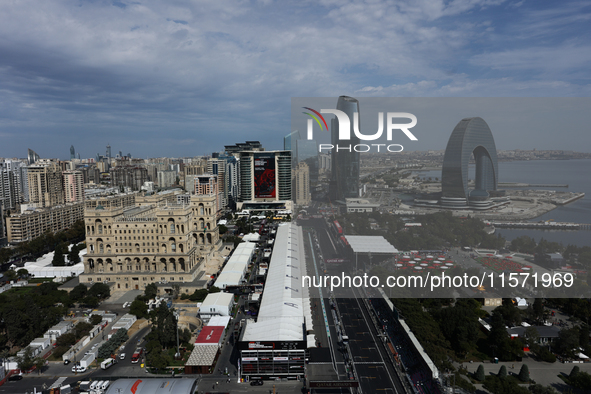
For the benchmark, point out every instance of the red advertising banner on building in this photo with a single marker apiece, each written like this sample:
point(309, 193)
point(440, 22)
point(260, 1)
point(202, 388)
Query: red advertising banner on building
point(265, 185)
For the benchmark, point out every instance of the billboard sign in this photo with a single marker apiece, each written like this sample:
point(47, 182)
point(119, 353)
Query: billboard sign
point(265, 185)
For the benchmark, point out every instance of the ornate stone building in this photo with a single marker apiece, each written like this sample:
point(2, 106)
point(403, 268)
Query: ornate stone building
point(158, 241)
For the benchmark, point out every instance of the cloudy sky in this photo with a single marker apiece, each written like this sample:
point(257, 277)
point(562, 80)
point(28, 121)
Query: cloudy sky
point(183, 78)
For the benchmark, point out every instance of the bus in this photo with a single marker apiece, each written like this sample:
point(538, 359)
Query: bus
point(137, 355)
point(107, 363)
point(337, 228)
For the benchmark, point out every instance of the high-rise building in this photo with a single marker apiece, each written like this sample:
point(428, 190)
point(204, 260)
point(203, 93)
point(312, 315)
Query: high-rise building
point(166, 178)
point(3, 240)
point(265, 176)
point(345, 161)
point(290, 143)
point(72, 152)
point(324, 163)
point(132, 177)
point(302, 184)
point(231, 184)
point(10, 188)
point(189, 171)
point(208, 185)
point(289, 140)
point(32, 157)
point(90, 174)
point(306, 149)
point(23, 170)
point(73, 186)
point(254, 146)
point(217, 166)
point(471, 136)
point(45, 184)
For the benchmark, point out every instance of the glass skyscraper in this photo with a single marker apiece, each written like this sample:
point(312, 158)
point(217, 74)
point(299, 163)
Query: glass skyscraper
point(345, 162)
point(470, 136)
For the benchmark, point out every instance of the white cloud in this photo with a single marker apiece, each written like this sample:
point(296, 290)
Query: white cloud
point(212, 64)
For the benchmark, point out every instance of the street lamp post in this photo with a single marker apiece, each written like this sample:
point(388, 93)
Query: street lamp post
point(178, 351)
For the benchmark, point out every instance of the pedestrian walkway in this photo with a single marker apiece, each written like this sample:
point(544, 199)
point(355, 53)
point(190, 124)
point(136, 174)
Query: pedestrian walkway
point(58, 383)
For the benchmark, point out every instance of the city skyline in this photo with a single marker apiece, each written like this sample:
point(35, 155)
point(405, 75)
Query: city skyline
point(181, 79)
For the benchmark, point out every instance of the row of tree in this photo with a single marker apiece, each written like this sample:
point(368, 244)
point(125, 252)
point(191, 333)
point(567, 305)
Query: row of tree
point(45, 243)
point(61, 251)
point(109, 348)
point(26, 316)
point(89, 296)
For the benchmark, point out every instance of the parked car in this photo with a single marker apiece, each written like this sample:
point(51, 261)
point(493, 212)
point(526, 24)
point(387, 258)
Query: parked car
point(15, 377)
point(66, 362)
point(257, 382)
point(78, 369)
point(122, 356)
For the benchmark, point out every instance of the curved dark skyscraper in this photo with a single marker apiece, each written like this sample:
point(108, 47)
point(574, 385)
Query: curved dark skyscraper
point(471, 135)
point(344, 181)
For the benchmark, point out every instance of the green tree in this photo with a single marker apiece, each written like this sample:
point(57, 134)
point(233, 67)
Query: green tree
point(539, 389)
point(26, 360)
point(157, 359)
point(164, 326)
point(538, 310)
point(10, 275)
point(581, 380)
point(498, 339)
point(502, 372)
point(524, 374)
point(39, 363)
point(479, 375)
point(73, 255)
point(95, 319)
point(82, 329)
point(531, 337)
point(22, 273)
point(185, 336)
point(153, 345)
point(78, 292)
point(67, 339)
point(198, 295)
point(574, 371)
point(544, 354)
point(5, 255)
point(584, 335)
point(100, 291)
point(503, 386)
point(90, 301)
point(459, 324)
point(139, 309)
point(58, 256)
point(151, 291)
point(214, 289)
point(567, 342)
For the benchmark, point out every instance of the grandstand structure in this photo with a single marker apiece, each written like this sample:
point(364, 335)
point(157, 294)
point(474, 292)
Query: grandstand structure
point(420, 371)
